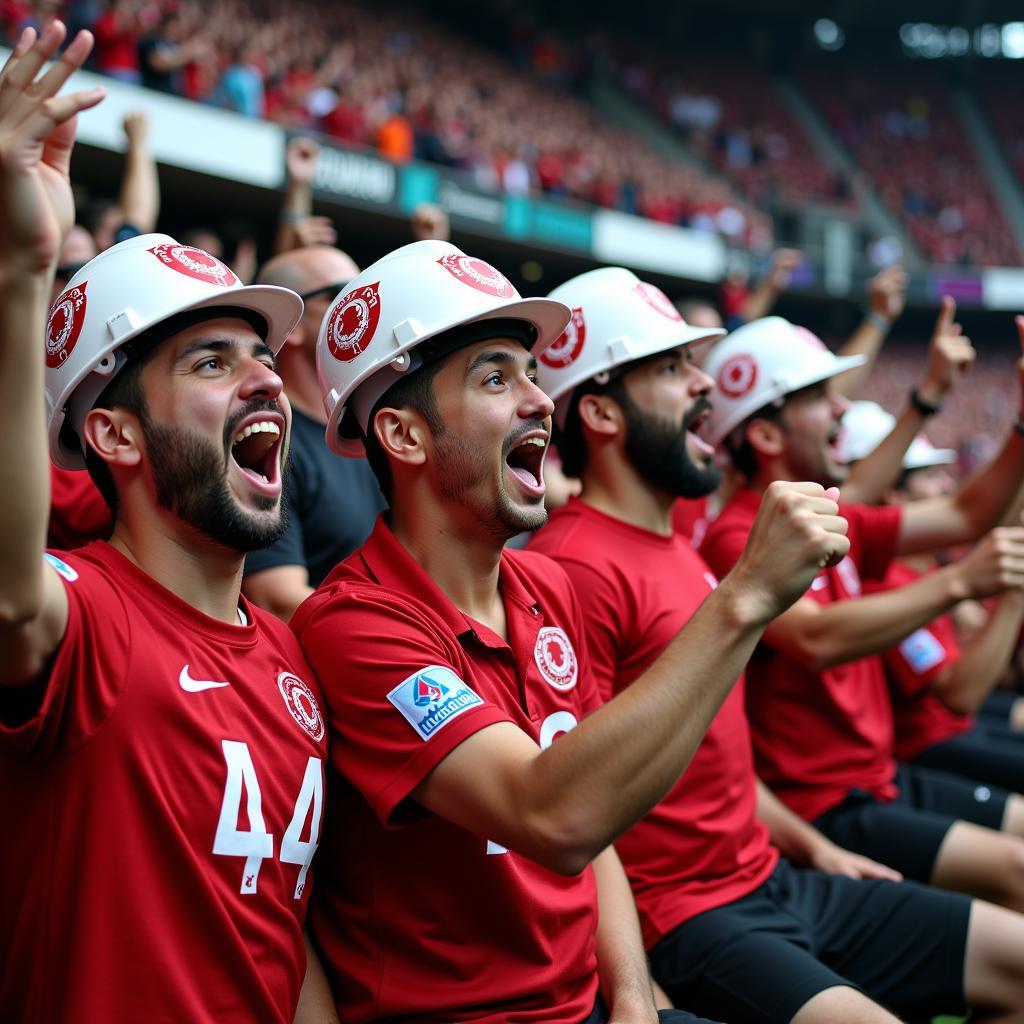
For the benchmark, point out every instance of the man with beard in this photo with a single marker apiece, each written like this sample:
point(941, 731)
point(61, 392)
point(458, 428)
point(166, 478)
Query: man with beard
point(473, 787)
point(816, 696)
point(733, 931)
point(140, 697)
point(330, 507)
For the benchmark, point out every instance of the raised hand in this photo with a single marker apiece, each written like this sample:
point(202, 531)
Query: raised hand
point(993, 566)
point(37, 132)
point(798, 532)
point(949, 354)
point(887, 292)
point(300, 160)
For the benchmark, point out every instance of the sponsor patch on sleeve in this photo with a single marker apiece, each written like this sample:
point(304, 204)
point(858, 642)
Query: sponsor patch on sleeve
point(61, 567)
point(430, 698)
point(922, 651)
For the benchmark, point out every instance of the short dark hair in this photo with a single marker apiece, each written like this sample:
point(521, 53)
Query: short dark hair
point(416, 391)
point(572, 446)
point(740, 451)
point(124, 391)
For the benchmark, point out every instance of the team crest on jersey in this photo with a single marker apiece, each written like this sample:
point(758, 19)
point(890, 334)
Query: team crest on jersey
point(64, 325)
point(737, 376)
point(555, 658)
point(430, 698)
point(61, 567)
point(479, 275)
point(195, 263)
point(353, 322)
point(657, 300)
point(302, 704)
point(569, 345)
point(922, 651)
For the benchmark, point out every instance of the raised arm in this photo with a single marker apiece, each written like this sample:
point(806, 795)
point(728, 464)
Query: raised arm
point(36, 210)
point(140, 186)
point(887, 295)
point(766, 292)
point(980, 504)
point(949, 354)
point(563, 805)
point(820, 636)
point(296, 226)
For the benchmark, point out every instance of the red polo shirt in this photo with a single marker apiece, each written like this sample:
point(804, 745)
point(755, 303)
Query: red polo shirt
point(818, 735)
point(702, 846)
point(911, 667)
point(417, 918)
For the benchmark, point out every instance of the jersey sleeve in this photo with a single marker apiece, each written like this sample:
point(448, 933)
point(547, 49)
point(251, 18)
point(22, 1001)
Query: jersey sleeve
point(88, 673)
point(913, 664)
point(400, 695)
point(874, 532)
point(724, 544)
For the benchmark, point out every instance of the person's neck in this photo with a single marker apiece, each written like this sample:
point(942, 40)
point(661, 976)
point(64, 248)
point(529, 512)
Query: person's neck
point(204, 574)
point(620, 492)
point(463, 563)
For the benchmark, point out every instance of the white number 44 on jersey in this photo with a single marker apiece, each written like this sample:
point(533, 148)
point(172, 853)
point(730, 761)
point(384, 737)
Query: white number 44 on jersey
point(255, 844)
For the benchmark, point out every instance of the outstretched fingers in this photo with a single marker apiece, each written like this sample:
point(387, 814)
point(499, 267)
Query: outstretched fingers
point(22, 99)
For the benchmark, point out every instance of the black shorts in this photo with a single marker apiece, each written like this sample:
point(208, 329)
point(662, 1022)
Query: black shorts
point(988, 752)
point(906, 833)
point(599, 1015)
point(762, 957)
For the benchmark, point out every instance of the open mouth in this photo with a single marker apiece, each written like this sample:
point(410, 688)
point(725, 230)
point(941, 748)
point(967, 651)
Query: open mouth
point(255, 450)
point(526, 462)
point(692, 429)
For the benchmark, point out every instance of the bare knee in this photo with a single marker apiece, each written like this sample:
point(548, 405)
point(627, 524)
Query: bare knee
point(845, 1004)
point(982, 863)
point(994, 960)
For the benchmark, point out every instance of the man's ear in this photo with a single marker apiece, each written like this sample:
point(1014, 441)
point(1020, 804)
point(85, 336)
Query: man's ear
point(765, 436)
point(403, 434)
point(601, 414)
point(115, 435)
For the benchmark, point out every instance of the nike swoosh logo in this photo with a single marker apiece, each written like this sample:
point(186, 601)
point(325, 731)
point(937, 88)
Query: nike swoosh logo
point(190, 685)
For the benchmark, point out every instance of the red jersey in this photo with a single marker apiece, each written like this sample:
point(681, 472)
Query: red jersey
point(78, 513)
point(690, 518)
point(921, 718)
point(818, 735)
point(416, 918)
point(702, 846)
point(166, 797)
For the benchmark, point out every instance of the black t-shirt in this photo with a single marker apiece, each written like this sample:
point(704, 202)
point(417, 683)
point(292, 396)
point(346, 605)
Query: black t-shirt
point(331, 502)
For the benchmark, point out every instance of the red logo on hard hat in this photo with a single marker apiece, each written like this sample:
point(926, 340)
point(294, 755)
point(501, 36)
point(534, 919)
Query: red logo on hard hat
point(657, 300)
point(569, 345)
point(64, 325)
point(737, 376)
point(195, 263)
point(353, 321)
point(479, 275)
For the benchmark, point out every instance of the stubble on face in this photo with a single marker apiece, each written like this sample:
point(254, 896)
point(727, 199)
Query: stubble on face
point(656, 449)
point(190, 477)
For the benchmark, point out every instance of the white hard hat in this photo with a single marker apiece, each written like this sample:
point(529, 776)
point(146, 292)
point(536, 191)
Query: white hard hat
point(413, 294)
point(762, 362)
point(616, 319)
point(126, 290)
point(866, 425)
